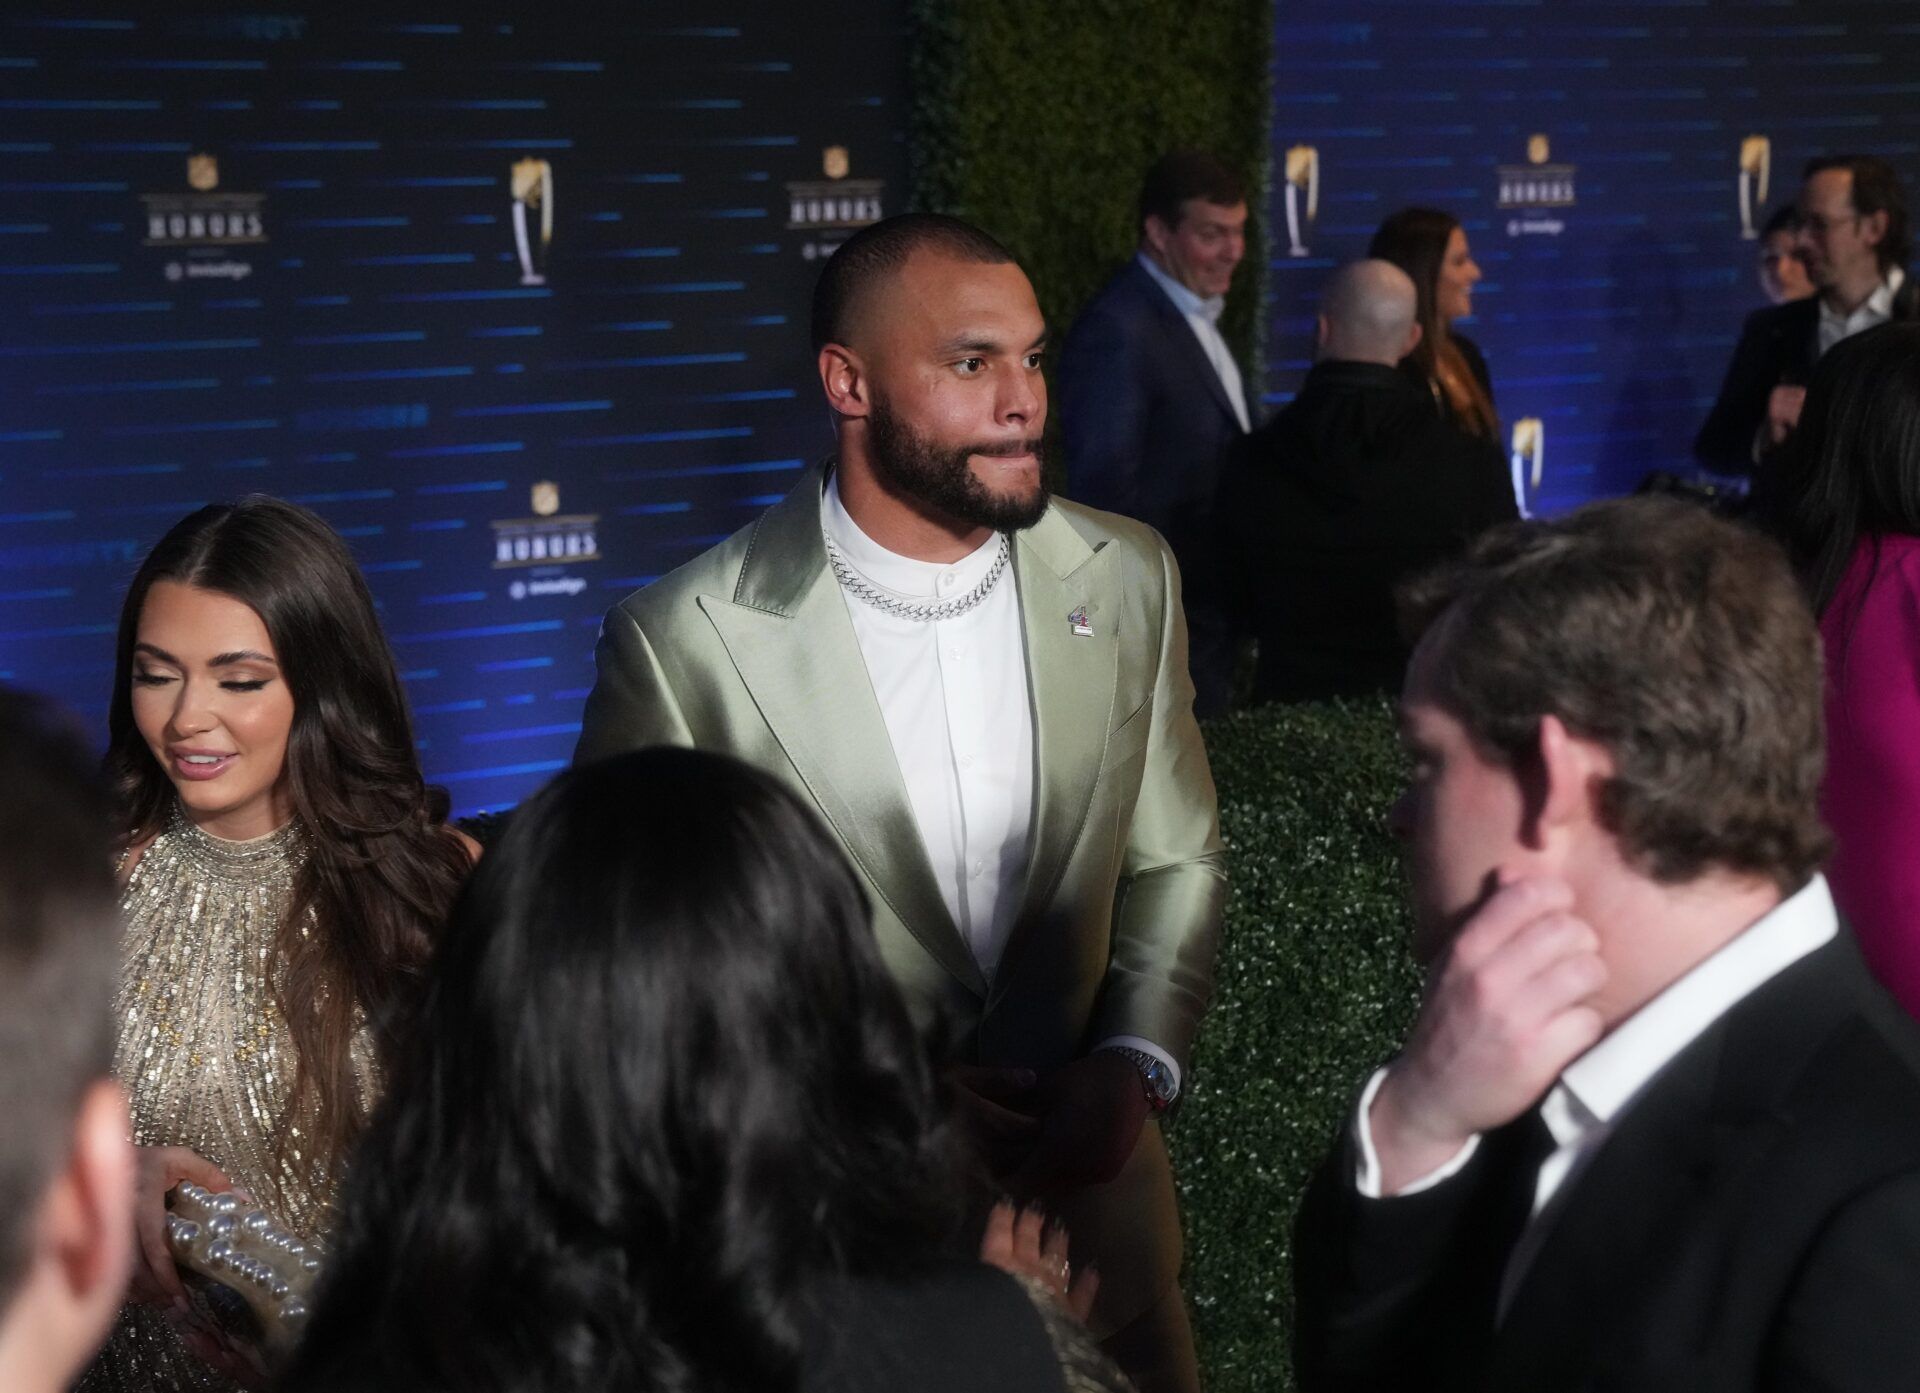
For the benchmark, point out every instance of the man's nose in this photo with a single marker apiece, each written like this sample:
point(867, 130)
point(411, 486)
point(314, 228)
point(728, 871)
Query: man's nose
point(1025, 398)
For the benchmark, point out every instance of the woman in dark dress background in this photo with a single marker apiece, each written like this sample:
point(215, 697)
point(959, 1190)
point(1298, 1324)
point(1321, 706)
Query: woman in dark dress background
point(667, 1126)
point(1431, 247)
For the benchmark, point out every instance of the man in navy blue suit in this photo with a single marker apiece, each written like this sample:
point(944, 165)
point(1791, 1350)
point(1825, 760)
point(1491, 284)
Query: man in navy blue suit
point(1150, 396)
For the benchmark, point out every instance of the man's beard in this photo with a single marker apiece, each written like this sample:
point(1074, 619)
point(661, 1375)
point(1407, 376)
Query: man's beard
point(941, 478)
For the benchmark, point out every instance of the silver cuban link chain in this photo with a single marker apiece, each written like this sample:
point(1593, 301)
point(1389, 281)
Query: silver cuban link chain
point(866, 591)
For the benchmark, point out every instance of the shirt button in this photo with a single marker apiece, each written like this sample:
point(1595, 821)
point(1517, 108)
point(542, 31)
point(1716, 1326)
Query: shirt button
point(947, 578)
point(953, 652)
point(979, 869)
point(966, 761)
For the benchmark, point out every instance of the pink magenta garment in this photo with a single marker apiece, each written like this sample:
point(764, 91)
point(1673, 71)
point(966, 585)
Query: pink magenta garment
point(1871, 800)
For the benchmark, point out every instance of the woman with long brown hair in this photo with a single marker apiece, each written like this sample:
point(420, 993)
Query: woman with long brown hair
point(286, 873)
point(1431, 247)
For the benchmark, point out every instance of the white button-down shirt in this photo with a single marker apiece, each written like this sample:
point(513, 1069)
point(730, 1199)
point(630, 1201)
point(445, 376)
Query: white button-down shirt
point(955, 698)
point(1582, 1109)
point(1876, 310)
point(953, 693)
point(1204, 318)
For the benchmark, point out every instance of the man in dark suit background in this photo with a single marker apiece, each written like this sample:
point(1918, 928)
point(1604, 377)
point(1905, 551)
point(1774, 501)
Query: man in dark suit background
point(1654, 1128)
point(1150, 394)
point(1857, 239)
point(1357, 484)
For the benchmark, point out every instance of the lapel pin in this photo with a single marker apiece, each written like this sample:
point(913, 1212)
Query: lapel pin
point(1077, 621)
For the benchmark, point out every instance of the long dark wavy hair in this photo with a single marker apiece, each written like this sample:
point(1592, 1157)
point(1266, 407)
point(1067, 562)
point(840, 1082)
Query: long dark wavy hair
point(664, 1090)
point(382, 869)
point(1851, 470)
point(1415, 240)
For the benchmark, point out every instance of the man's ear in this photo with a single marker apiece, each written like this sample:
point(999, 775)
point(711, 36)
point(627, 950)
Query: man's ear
point(1322, 331)
point(1414, 334)
point(1156, 234)
point(87, 1218)
point(1873, 228)
point(843, 376)
point(1568, 767)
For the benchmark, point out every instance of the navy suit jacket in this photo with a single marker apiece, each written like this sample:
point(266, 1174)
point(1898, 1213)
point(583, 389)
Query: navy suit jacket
point(1145, 419)
point(1778, 346)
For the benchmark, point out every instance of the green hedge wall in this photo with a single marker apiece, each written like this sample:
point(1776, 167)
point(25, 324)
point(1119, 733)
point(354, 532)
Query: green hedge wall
point(1037, 121)
point(1316, 988)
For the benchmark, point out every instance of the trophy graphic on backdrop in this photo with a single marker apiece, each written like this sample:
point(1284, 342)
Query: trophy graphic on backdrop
point(532, 192)
point(1303, 186)
point(1756, 161)
point(1529, 459)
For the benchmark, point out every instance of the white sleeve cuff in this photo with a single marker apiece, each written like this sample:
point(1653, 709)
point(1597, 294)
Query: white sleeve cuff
point(1367, 1177)
point(1135, 1042)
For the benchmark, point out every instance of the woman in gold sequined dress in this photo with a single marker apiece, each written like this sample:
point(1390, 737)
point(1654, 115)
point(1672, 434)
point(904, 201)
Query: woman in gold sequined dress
point(286, 873)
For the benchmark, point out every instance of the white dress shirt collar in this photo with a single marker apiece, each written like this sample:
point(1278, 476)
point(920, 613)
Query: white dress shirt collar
point(1203, 317)
point(1876, 310)
point(1184, 299)
point(1593, 1091)
point(909, 578)
point(1611, 1074)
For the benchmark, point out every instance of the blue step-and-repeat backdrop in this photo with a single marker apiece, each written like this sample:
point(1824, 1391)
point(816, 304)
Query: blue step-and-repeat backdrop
point(1595, 153)
point(514, 296)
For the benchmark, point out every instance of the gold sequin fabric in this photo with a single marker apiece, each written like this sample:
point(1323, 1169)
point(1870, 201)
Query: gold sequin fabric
point(204, 1054)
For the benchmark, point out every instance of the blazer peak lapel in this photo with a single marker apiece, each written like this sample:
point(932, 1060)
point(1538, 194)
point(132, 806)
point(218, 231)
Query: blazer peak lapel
point(1187, 345)
point(1072, 642)
point(794, 647)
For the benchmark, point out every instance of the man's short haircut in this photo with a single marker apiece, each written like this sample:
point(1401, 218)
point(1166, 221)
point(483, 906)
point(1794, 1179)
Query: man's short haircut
point(1678, 641)
point(1876, 189)
point(880, 250)
point(1786, 218)
point(1180, 175)
point(59, 955)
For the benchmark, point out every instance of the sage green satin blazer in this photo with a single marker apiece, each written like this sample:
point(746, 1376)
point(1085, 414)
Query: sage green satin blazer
point(749, 649)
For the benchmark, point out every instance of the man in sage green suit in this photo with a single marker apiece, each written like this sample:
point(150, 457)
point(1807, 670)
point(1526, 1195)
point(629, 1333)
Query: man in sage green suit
point(756, 649)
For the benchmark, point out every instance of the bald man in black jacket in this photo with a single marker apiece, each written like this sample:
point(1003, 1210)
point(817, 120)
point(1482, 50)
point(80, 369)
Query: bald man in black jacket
point(1357, 483)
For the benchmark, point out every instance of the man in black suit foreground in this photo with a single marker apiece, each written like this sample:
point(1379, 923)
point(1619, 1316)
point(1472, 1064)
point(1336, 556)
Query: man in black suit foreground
point(1360, 482)
point(1654, 1128)
point(1857, 238)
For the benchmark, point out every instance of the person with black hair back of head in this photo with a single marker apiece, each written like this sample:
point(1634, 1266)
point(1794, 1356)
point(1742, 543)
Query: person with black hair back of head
point(636, 1151)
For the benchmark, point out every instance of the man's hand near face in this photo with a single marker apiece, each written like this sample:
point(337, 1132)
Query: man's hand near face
point(1506, 1010)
